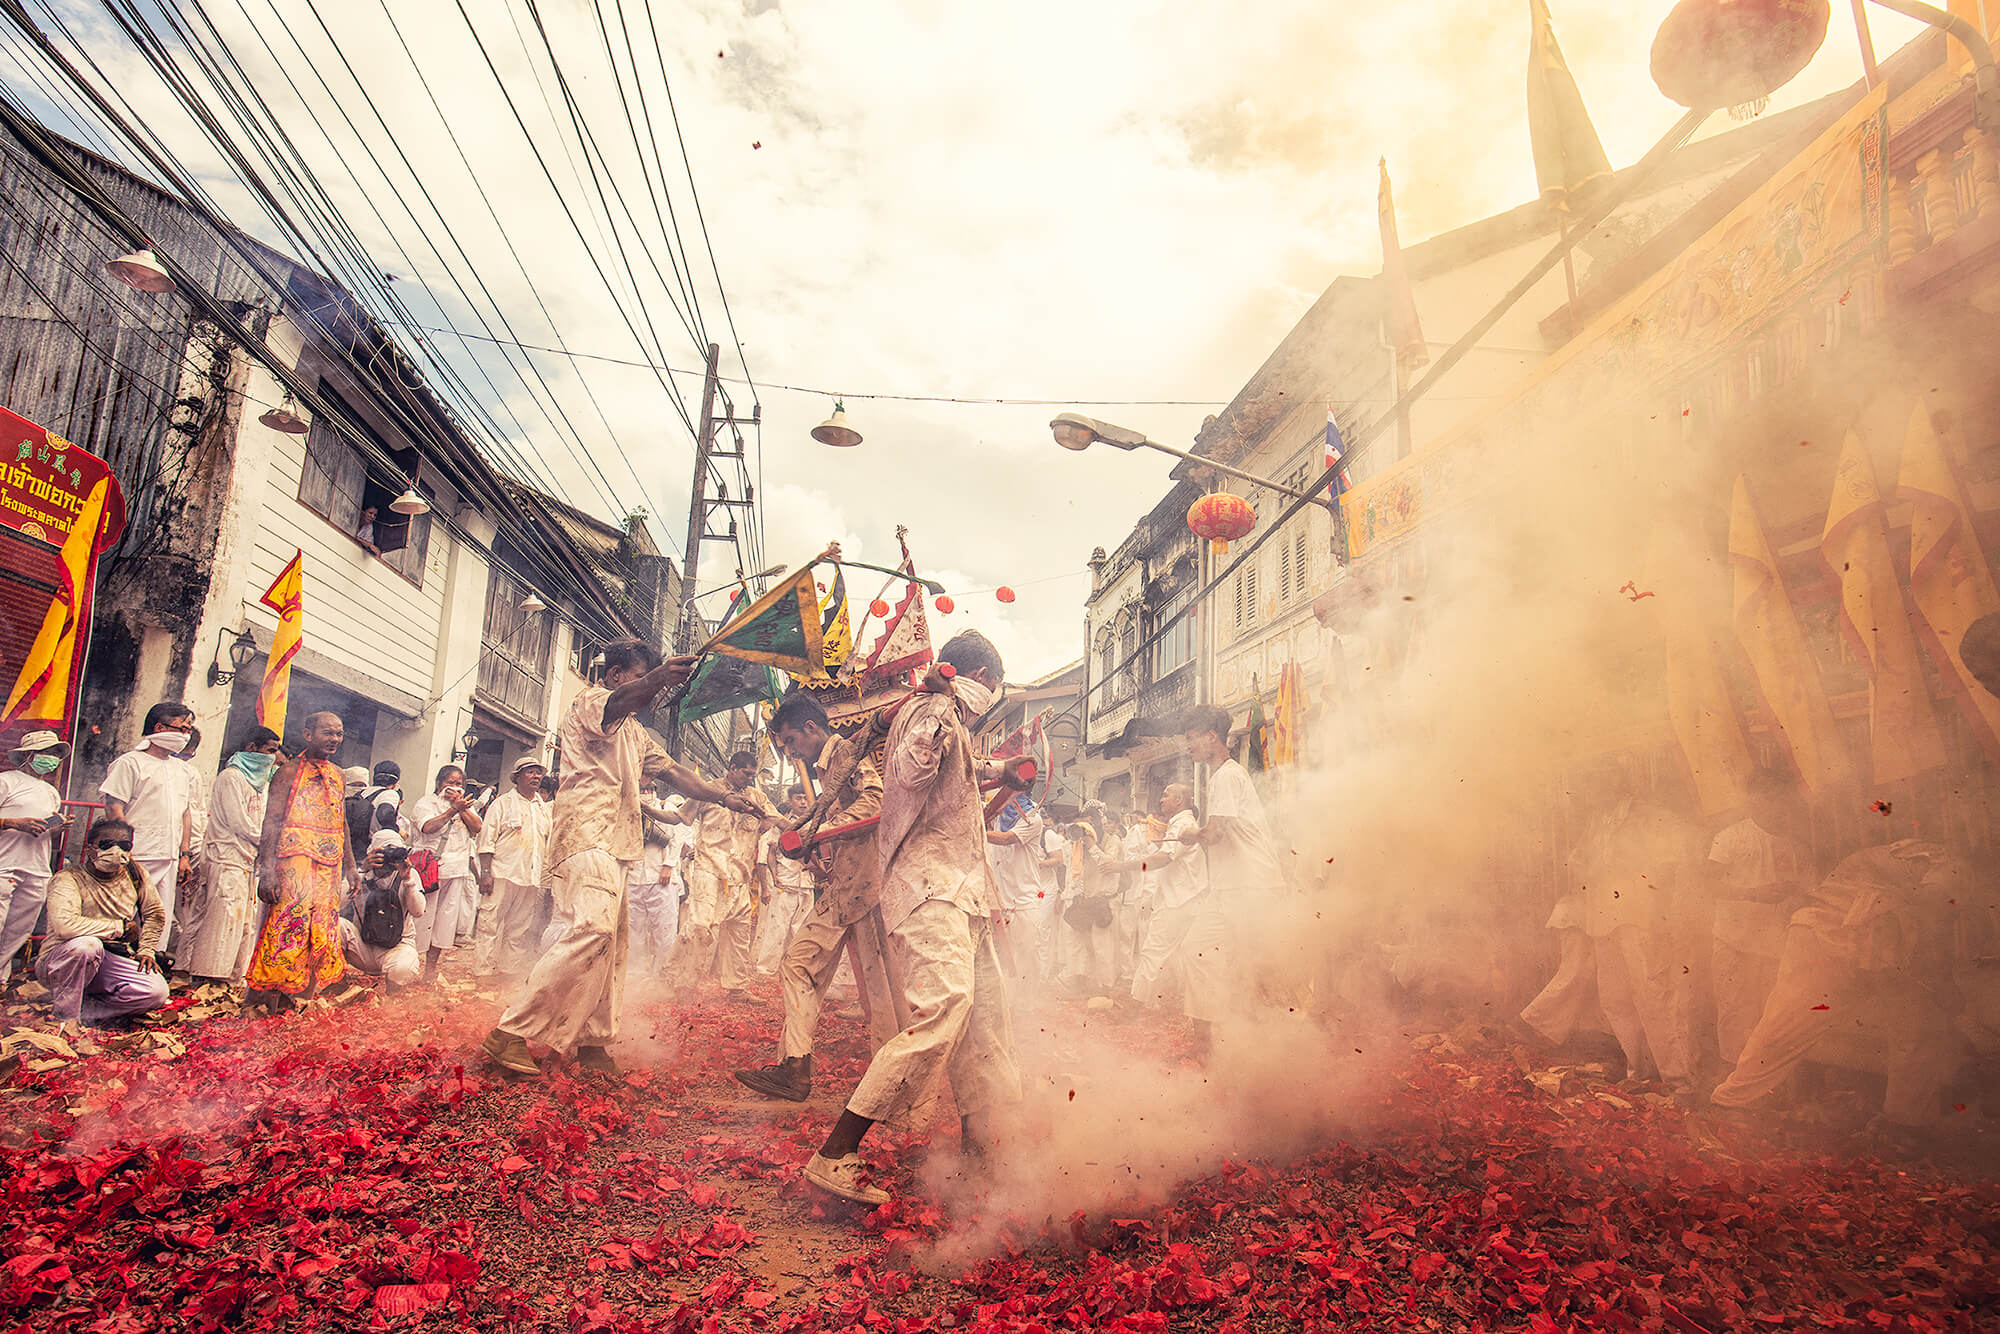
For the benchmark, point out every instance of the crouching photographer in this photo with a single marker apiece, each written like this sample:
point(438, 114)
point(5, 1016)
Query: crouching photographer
point(378, 920)
point(100, 960)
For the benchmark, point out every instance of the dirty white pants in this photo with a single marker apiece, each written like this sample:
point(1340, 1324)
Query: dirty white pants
point(655, 914)
point(959, 1023)
point(1192, 940)
point(716, 926)
point(804, 975)
point(399, 965)
point(1638, 982)
point(572, 995)
point(776, 925)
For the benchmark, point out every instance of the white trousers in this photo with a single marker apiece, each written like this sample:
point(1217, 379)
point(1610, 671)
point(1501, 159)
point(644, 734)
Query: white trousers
point(216, 937)
point(400, 965)
point(804, 975)
point(1192, 941)
point(449, 914)
point(656, 915)
point(572, 996)
point(165, 876)
point(22, 894)
point(959, 1025)
point(1637, 984)
point(715, 933)
point(778, 923)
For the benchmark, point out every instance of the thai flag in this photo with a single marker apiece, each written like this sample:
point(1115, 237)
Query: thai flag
point(1335, 452)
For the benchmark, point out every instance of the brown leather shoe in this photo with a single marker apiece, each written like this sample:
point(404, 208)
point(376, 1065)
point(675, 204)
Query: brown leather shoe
point(510, 1053)
point(790, 1079)
point(598, 1061)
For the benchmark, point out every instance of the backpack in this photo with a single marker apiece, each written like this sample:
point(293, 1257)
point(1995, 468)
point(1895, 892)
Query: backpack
point(360, 823)
point(425, 863)
point(382, 915)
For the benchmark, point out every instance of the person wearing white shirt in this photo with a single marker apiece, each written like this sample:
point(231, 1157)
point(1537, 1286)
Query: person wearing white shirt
point(151, 789)
point(1134, 907)
point(446, 828)
point(216, 918)
point(1243, 875)
point(789, 886)
point(653, 896)
point(1027, 887)
point(1177, 880)
point(30, 814)
point(513, 838)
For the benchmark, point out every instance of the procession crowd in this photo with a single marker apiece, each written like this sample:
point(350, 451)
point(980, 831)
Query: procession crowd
point(889, 880)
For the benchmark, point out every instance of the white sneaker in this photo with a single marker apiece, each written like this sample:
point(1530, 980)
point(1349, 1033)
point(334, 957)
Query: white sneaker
point(842, 1177)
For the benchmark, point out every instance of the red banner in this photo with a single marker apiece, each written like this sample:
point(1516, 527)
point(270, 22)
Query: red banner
point(59, 507)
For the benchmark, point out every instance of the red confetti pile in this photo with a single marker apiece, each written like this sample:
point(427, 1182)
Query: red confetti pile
point(355, 1169)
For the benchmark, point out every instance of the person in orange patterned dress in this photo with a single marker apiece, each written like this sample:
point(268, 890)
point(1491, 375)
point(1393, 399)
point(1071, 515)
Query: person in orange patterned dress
point(303, 860)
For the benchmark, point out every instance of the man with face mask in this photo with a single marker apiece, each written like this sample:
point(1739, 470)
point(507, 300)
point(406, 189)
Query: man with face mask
point(105, 924)
point(30, 815)
point(721, 910)
point(216, 938)
point(572, 996)
point(938, 902)
point(152, 788)
point(304, 860)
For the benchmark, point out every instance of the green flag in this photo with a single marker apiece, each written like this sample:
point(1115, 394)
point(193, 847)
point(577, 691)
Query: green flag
point(723, 683)
point(782, 629)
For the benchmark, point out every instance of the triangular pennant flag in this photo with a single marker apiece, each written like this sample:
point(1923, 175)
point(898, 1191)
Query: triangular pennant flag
point(722, 683)
point(286, 596)
point(780, 629)
point(1568, 154)
point(906, 637)
point(41, 689)
point(1406, 331)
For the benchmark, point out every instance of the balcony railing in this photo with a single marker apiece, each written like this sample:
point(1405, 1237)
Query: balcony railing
point(1943, 198)
point(1168, 697)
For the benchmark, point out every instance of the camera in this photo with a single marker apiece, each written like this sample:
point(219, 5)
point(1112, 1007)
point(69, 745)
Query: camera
point(395, 856)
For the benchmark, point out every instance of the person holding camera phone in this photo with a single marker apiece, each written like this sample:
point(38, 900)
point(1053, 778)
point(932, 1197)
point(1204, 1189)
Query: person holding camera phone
point(30, 815)
point(100, 959)
point(446, 827)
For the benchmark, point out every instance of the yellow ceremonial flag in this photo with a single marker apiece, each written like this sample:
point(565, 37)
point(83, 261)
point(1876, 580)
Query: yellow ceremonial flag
point(286, 596)
point(41, 689)
point(1768, 629)
point(1950, 580)
point(1902, 726)
point(1704, 715)
point(1285, 719)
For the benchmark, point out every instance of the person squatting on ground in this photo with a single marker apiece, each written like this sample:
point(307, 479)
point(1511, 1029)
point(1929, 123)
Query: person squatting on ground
point(1177, 875)
point(378, 920)
point(446, 827)
point(100, 960)
point(218, 921)
point(845, 871)
point(30, 815)
point(720, 914)
point(513, 836)
point(152, 789)
point(788, 889)
point(938, 904)
point(303, 862)
point(572, 996)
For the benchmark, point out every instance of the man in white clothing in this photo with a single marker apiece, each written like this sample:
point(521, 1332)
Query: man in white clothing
point(1760, 875)
point(1243, 874)
point(937, 902)
point(447, 828)
point(573, 994)
point(513, 836)
point(788, 890)
point(217, 920)
point(151, 789)
point(1026, 883)
point(1177, 876)
point(719, 918)
point(30, 815)
point(379, 916)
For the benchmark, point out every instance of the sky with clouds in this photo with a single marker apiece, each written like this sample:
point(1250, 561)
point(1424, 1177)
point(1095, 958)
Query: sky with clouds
point(1106, 201)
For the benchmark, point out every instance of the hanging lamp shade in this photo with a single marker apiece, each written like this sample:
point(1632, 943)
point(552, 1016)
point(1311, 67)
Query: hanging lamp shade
point(835, 431)
point(285, 417)
point(532, 603)
point(410, 503)
point(1727, 53)
point(1221, 518)
point(141, 269)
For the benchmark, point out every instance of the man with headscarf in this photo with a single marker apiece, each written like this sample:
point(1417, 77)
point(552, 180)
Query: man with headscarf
point(30, 814)
point(152, 788)
point(938, 904)
point(100, 960)
point(216, 937)
point(303, 861)
point(572, 997)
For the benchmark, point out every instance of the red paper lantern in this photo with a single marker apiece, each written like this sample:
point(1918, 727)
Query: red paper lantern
point(946, 606)
point(1004, 593)
point(878, 609)
point(1725, 53)
point(1221, 518)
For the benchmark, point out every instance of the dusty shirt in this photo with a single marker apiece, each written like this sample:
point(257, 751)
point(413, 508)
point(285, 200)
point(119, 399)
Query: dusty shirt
point(1244, 857)
point(725, 842)
point(789, 875)
point(26, 797)
point(846, 867)
point(597, 806)
point(932, 839)
point(235, 821)
point(82, 905)
point(157, 791)
point(1018, 872)
point(1175, 866)
point(516, 833)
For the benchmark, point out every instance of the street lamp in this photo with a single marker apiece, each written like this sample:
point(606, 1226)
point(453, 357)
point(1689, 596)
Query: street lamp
point(1076, 432)
point(240, 653)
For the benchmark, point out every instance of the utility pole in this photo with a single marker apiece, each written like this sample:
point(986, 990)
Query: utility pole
point(685, 638)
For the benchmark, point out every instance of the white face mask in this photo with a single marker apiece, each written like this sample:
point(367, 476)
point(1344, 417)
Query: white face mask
point(171, 742)
point(974, 699)
point(110, 860)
